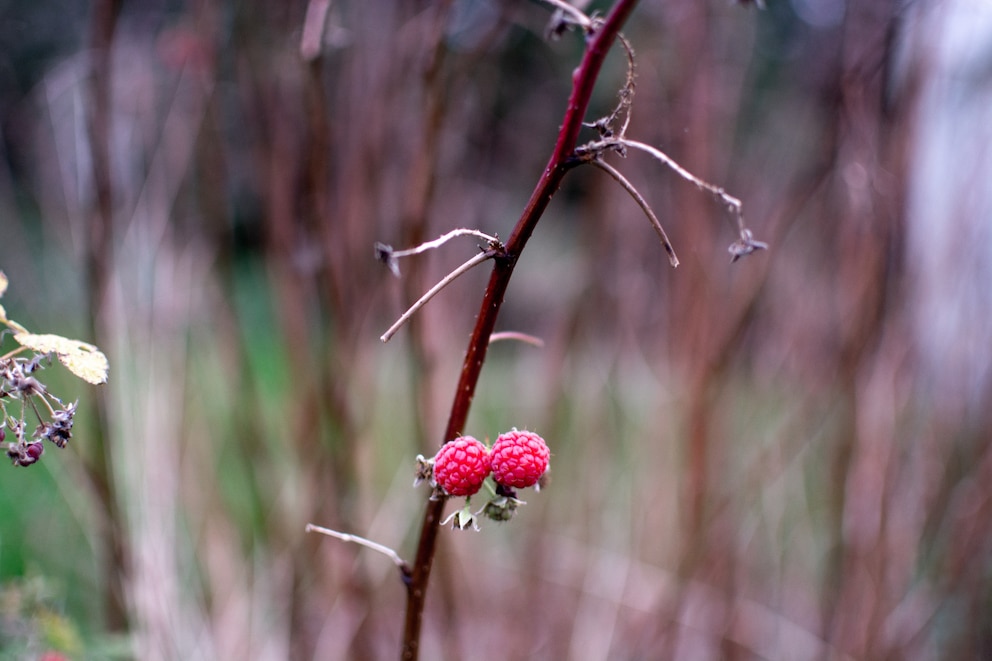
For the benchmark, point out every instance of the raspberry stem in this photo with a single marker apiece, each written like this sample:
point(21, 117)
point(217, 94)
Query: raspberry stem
point(600, 37)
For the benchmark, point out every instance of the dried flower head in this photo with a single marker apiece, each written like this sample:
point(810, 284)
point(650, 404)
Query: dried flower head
point(23, 393)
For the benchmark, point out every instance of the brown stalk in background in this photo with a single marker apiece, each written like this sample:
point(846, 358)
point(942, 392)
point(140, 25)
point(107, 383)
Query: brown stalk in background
point(99, 248)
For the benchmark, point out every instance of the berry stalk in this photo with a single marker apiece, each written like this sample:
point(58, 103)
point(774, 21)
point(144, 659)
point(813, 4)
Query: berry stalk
point(598, 43)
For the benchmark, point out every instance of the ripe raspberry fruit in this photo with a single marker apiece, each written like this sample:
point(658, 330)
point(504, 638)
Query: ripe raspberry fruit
point(519, 459)
point(461, 466)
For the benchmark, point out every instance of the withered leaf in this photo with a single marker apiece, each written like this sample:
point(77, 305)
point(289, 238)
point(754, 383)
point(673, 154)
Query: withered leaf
point(82, 359)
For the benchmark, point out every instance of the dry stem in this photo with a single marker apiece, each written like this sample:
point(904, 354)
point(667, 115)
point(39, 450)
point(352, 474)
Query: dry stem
point(519, 337)
point(441, 240)
point(733, 204)
point(745, 244)
point(629, 187)
point(361, 541)
point(445, 281)
point(577, 16)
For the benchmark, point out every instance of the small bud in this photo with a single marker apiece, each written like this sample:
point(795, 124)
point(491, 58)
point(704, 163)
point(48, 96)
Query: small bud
point(501, 508)
point(425, 470)
point(35, 450)
point(462, 519)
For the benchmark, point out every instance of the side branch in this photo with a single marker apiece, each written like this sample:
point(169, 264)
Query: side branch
point(732, 203)
point(745, 244)
point(445, 281)
point(574, 14)
point(385, 253)
point(655, 223)
point(367, 543)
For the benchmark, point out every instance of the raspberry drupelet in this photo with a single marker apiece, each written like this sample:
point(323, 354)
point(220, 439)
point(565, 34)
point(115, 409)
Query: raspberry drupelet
point(461, 466)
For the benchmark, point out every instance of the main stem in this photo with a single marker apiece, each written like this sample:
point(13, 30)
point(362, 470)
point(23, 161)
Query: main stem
point(584, 79)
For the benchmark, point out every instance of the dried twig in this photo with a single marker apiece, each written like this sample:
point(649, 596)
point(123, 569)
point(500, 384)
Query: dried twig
point(575, 14)
point(518, 336)
point(385, 253)
point(745, 244)
point(627, 91)
point(629, 187)
point(605, 125)
point(367, 543)
point(445, 281)
point(444, 238)
point(733, 204)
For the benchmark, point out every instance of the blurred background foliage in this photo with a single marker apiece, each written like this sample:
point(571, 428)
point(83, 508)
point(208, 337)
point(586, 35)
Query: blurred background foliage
point(783, 458)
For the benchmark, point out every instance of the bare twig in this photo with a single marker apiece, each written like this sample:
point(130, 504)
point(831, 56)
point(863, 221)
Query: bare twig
point(745, 244)
point(605, 125)
point(629, 187)
point(576, 15)
point(732, 203)
point(519, 337)
point(367, 543)
point(445, 281)
point(13, 352)
point(441, 240)
point(385, 253)
point(627, 92)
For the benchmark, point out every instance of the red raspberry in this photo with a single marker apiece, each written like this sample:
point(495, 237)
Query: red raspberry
point(461, 466)
point(519, 459)
point(52, 656)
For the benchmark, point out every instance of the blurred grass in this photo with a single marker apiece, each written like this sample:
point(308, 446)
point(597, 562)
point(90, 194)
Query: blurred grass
point(613, 422)
point(49, 587)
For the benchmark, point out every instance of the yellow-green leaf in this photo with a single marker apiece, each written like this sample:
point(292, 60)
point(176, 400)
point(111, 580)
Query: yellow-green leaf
point(82, 359)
